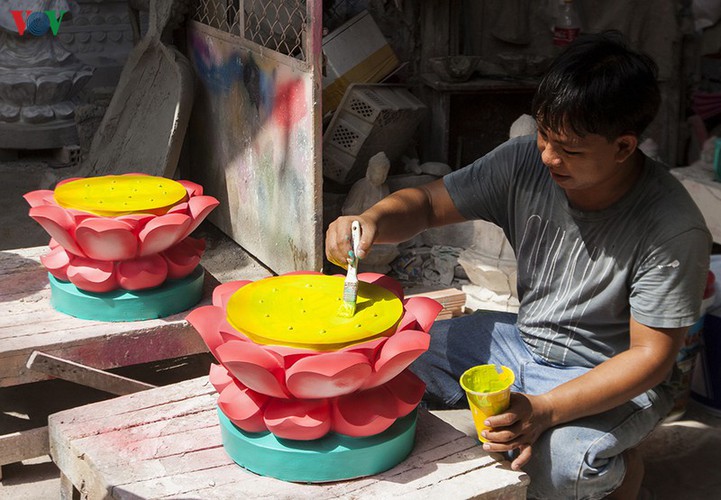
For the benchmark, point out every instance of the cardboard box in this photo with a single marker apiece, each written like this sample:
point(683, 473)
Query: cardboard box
point(356, 52)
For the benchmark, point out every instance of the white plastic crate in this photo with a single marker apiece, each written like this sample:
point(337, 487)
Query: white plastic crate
point(371, 118)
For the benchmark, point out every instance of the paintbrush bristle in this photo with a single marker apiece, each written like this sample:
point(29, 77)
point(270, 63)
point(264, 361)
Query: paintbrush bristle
point(346, 310)
point(350, 293)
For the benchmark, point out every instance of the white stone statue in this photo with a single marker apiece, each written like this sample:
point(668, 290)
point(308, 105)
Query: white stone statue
point(365, 193)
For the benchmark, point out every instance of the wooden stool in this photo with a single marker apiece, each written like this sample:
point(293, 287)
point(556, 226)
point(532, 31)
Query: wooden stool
point(166, 442)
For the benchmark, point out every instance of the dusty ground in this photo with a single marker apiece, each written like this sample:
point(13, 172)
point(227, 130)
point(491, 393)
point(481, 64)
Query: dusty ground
point(682, 458)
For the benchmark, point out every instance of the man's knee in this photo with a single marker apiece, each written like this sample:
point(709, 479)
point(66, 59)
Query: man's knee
point(567, 466)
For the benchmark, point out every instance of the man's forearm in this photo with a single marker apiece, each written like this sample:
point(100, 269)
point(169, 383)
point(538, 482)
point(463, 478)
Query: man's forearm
point(407, 212)
point(611, 383)
point(400, 216)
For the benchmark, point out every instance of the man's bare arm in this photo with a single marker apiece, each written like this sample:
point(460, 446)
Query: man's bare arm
point(394, 219)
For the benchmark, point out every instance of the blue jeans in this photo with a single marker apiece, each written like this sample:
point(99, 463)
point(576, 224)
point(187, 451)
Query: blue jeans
point(580, 459)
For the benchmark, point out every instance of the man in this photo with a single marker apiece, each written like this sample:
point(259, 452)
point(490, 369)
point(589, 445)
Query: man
point(612, 260)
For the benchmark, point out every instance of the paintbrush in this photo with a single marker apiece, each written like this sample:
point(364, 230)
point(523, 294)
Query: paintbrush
point(350, 285)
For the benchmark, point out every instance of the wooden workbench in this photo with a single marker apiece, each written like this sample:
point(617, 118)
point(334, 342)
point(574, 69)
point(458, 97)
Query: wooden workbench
point(29, 324)
point(165, 443)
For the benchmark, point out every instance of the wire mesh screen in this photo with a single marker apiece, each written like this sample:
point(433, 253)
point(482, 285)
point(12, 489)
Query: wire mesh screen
point(336, 12)
point(276, 24)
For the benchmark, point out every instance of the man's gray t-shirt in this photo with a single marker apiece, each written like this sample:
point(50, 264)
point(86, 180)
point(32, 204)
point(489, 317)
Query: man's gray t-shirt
point(581, 274)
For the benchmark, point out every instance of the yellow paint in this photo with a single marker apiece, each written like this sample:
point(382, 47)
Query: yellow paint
point(114, 195)
point(302, 311)
point(488, 393)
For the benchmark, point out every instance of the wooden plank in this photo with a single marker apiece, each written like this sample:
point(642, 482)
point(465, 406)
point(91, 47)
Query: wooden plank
point(23, 445)
point(451, 299)
point(165, 442)
point(28, 323)
point(84, 375)
point(67, 490)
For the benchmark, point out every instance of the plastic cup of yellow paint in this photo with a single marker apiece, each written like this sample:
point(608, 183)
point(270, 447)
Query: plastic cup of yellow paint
point(488, 389)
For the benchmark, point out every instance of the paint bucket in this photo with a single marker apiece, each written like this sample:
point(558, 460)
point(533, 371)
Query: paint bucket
point(687, 357)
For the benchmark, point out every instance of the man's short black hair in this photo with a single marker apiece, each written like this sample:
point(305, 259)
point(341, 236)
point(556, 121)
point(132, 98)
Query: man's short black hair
point(598, 86)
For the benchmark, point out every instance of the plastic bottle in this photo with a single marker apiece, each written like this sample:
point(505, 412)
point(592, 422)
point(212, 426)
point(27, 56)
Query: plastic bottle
point(567, 26)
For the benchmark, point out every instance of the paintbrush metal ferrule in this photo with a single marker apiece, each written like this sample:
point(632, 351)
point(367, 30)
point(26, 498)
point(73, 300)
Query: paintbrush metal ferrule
point(350, 286)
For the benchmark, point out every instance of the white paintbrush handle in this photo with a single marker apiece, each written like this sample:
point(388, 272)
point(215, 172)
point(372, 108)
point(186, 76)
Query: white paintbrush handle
point(355, 236)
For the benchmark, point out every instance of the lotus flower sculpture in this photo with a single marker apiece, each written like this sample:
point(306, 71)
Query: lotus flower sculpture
point(121, 231)
point(291, 366)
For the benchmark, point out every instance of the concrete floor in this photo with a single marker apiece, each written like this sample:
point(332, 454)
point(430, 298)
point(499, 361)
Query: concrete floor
point(683, 458)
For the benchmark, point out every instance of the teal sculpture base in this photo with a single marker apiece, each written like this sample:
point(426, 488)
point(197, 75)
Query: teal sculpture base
point(171, 297)
point(333, 457)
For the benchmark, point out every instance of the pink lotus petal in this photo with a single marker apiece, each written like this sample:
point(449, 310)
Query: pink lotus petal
point(104, 238)
point(408, 322)
point(92, 275)
point(289, 355)
point(181, 208)
point(254, 367)
point(59, 225)
point(56, 261)
point(222, 293)
point(192, 188)
point(298, 419)
point(368, 349)
point(327, 375)
point(424, 309)
point(399, 351)
point(207, 320)
point(243, 407)
point(200, 207)
point(182, 258)
point(408, 390)
point(137, 221)
point(364, 413)
point(219, 377)
point(163, 232)
point(79, 215)
point(40, 197)
point(142, 273)
point(385, 281)
point(227, 330)
point(228, 333)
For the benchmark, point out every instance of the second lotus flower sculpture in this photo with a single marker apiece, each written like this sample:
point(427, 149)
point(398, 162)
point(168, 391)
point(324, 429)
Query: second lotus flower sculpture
point(127, 232)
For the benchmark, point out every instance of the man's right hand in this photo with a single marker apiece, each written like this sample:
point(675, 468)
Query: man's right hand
point(338, 239)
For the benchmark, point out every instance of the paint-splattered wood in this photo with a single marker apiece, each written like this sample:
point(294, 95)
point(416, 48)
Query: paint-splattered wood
point(29, 323)
point(165, 443)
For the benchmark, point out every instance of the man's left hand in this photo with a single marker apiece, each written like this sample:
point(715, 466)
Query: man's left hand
point(518, 427)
